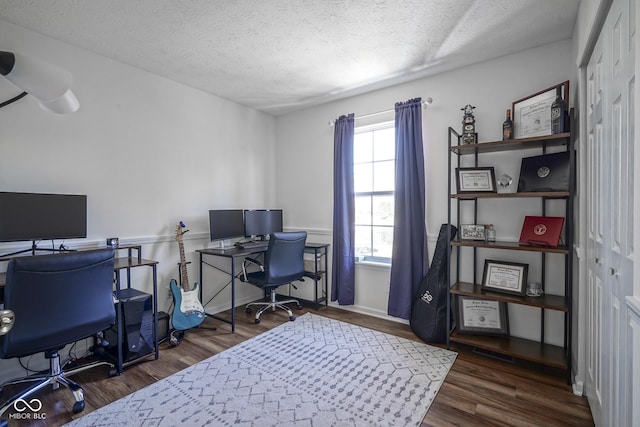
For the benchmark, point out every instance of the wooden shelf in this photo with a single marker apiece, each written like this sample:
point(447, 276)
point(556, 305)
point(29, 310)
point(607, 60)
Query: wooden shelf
point(513, 144)
point(532, 351)
point(535, 351)
point(547, 301)
point(513, 246)
point(486, 195)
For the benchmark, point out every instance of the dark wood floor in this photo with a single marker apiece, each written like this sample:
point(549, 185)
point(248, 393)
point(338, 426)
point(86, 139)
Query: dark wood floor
point(478, 391)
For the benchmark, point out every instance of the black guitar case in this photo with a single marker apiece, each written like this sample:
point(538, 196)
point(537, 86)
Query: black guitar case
point(429, 308)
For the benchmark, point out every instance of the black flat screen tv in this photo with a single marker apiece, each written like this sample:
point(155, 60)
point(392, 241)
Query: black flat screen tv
point(226, 224)
point(39, 216)
point(261, 222)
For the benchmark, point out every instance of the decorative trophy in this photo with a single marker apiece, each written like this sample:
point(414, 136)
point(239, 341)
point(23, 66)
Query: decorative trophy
point(504, 182)
point(469, 135)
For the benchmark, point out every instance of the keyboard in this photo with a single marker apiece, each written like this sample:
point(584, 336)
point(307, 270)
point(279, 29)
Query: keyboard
point(253, 245)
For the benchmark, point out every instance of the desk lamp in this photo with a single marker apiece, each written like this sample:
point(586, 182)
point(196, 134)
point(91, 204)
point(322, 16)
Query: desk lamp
point(49, 84)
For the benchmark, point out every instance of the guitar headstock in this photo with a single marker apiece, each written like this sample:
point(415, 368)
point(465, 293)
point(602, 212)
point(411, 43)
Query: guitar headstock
point(180, 230)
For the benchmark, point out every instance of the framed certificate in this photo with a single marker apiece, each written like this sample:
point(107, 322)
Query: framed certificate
point(506, 277)
point(532, 115)
point(481, 316)
point(476, 180)
point(548, 172)
point(472, 232)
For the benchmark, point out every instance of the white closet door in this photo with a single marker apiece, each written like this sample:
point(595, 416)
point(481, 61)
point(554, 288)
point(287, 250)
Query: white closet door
point(596, 182)
point(611, 77)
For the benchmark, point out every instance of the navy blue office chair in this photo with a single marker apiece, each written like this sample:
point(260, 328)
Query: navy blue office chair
point(283, 264)
point(56, 300)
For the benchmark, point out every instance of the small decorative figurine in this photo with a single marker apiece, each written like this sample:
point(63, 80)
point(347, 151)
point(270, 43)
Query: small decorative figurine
point(468, 125)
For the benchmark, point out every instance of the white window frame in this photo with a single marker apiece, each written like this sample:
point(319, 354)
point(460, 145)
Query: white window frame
point(373, 258)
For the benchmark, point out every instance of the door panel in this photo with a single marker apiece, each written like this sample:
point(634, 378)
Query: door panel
point(610, 195)
point(595, 238)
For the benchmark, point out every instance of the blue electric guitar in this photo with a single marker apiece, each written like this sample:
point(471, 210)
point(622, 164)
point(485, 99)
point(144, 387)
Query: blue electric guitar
point(188, 311)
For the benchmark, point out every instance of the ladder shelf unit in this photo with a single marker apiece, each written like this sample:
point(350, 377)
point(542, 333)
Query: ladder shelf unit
point(510, 347)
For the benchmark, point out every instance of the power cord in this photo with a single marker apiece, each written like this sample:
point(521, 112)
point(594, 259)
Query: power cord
point(29, 370)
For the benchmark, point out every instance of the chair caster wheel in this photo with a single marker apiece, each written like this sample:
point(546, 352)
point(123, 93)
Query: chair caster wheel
point(257, 320)
point(299, 306)
point(78, 407)
point(292, 318)
point(248, 310)
point(113, 372)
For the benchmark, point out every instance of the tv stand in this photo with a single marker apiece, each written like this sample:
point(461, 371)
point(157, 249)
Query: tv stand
point(34, 248)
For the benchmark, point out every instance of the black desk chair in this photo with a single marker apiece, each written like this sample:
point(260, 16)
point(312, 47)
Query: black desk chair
point(56, 300)
point(283, 264)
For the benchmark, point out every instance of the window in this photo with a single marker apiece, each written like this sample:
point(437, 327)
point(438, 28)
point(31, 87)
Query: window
point(374, 184)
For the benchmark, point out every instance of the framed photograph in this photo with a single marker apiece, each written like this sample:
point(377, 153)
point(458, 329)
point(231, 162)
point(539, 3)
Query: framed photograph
point(481, 317)
point(476, 180)
point(532, 115)
point(506, 277)
point(472, 232)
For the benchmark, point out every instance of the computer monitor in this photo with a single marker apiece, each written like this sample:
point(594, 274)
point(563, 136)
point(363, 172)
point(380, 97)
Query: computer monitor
point(39, 216)
point(226, 224)
point(260, 222)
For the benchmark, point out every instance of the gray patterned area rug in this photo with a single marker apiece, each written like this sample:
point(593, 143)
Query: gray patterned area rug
point(312, 372)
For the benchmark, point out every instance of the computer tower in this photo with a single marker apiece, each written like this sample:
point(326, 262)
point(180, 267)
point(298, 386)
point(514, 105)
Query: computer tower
point(136, 311)
point(163, 326)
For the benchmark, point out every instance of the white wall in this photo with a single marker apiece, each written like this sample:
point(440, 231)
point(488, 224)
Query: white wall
point(305, 149)
point(146, 151)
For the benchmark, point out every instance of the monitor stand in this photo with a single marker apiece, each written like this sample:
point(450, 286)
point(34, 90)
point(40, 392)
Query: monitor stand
point(226, 244)
point(34, 248)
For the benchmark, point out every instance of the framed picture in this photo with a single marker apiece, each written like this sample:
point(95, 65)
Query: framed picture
point(481, 316)
point(532, 115)
point(476, 180)
point(472, 232)
point(506, 277)
point(548, 172)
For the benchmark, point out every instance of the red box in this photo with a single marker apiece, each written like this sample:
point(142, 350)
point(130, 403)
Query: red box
point(542, 230)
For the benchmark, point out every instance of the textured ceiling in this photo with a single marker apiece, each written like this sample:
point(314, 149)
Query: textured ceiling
point(281, 55)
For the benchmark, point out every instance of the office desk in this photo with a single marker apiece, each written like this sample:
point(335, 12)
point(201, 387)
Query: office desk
point(125, 264)
point(232, 254)
point(318, 250)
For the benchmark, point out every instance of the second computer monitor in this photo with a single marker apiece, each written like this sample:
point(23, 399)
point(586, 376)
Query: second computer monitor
point(261, 222)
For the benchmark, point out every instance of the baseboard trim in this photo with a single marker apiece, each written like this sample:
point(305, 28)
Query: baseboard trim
point(369, 311)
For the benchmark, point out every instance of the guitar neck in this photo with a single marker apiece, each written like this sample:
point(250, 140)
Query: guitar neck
point(184, 278)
